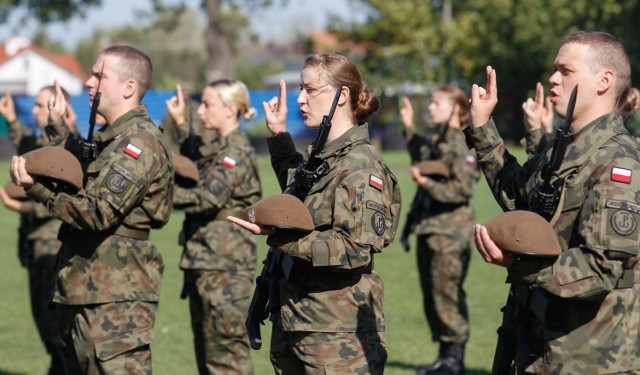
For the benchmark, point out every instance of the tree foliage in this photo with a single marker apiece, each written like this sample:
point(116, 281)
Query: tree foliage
point(410, 40)
point(46, 10)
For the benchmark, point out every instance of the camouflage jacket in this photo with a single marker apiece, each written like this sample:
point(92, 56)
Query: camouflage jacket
point(355, 208)
point(449, 211)
point(106, 255)
point(229, 183)
point(36, 222)
point(592, 287)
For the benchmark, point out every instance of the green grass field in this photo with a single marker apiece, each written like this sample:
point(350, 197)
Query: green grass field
point(409, 343)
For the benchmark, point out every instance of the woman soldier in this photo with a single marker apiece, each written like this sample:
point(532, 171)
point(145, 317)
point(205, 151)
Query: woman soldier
point(331, 317)
point(444, 225)
point(219, 258)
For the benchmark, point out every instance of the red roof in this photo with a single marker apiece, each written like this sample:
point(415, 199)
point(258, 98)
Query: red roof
point(324, 41)
point(66, 61)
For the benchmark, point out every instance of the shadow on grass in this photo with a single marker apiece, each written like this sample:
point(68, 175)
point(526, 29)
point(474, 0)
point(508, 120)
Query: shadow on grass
point(406, 366)
point(6, 372)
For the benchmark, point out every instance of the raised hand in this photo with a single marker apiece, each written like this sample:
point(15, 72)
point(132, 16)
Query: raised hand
point(57, 104)
point(483, 101)
point(533, 110)
point(176, 106)
point(7, 107)
point(406, 112)
point(275, 111)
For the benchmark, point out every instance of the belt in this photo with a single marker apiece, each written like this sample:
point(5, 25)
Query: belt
point(68, 233)
point(137, 234)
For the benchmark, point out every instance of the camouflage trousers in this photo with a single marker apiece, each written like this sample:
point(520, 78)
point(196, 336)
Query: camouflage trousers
point(110, 338)
point(443, 262)
point(41, 283)
point(219, 305)
point(320, 353)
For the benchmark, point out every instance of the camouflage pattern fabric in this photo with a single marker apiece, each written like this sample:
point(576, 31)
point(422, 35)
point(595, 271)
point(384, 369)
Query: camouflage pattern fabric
point(355, 208)
point(450, 212)
point(37, 248)
point(592, 287)
point(444, 239)
point(320, 353)
point(218, 303)
point(115, 337)
point(219, 258)
point(229, 183)
point(105, 256)
point(534, 141)
point(443, 262)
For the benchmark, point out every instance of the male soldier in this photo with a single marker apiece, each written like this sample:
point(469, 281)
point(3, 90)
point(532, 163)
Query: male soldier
point(586, 318)
point(38, 231)
point(109, 273)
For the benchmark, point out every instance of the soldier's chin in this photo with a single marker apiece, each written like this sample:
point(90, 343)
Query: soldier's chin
point(310, 123)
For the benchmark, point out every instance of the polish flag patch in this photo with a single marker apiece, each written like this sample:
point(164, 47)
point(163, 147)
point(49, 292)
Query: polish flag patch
point(376, 182)
point(621, 175)
point(471, 160)
point(229, 162)
point(132, 151)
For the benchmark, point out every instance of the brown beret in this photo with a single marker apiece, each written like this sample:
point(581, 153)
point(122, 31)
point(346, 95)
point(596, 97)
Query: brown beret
point(54, 164)
point(281, 211)
point(524, 232)
point(15, 192)
point(433, 168)
point(185, 169)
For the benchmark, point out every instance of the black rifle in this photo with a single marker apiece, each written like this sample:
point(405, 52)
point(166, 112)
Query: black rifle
point(86, 150)
point(421, 200)
point(264, 301)
point(545, 199)
point(516, 314)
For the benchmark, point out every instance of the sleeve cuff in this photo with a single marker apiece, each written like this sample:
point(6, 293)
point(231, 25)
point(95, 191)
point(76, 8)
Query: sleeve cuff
point(485, 136)
point(281, 145)
point(285, 240)
point(525, 269)
point(39, 193)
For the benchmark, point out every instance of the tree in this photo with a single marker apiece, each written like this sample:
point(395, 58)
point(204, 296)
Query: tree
point(419, 41)
point(46, 10)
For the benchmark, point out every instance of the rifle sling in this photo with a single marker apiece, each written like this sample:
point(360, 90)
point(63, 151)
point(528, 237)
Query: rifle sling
point(574, 167)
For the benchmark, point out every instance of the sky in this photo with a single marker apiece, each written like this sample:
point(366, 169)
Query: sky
point(271, 23)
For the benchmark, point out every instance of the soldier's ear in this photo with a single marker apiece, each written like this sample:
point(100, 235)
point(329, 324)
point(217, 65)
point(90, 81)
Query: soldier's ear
point(130, 87)
point(606, 81)
point(343, 96)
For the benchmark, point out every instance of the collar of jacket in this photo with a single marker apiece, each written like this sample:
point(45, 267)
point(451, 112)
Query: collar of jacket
point(356, 134)
point(609, 123)
point(212, 149)
point(122, 124)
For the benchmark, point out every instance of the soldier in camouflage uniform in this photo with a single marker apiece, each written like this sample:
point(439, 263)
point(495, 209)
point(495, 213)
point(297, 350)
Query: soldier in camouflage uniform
point(38, 232)
point(444, 227)
point(591, 289)
point(109, 273)
point(331, 316)
point(219, 259)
